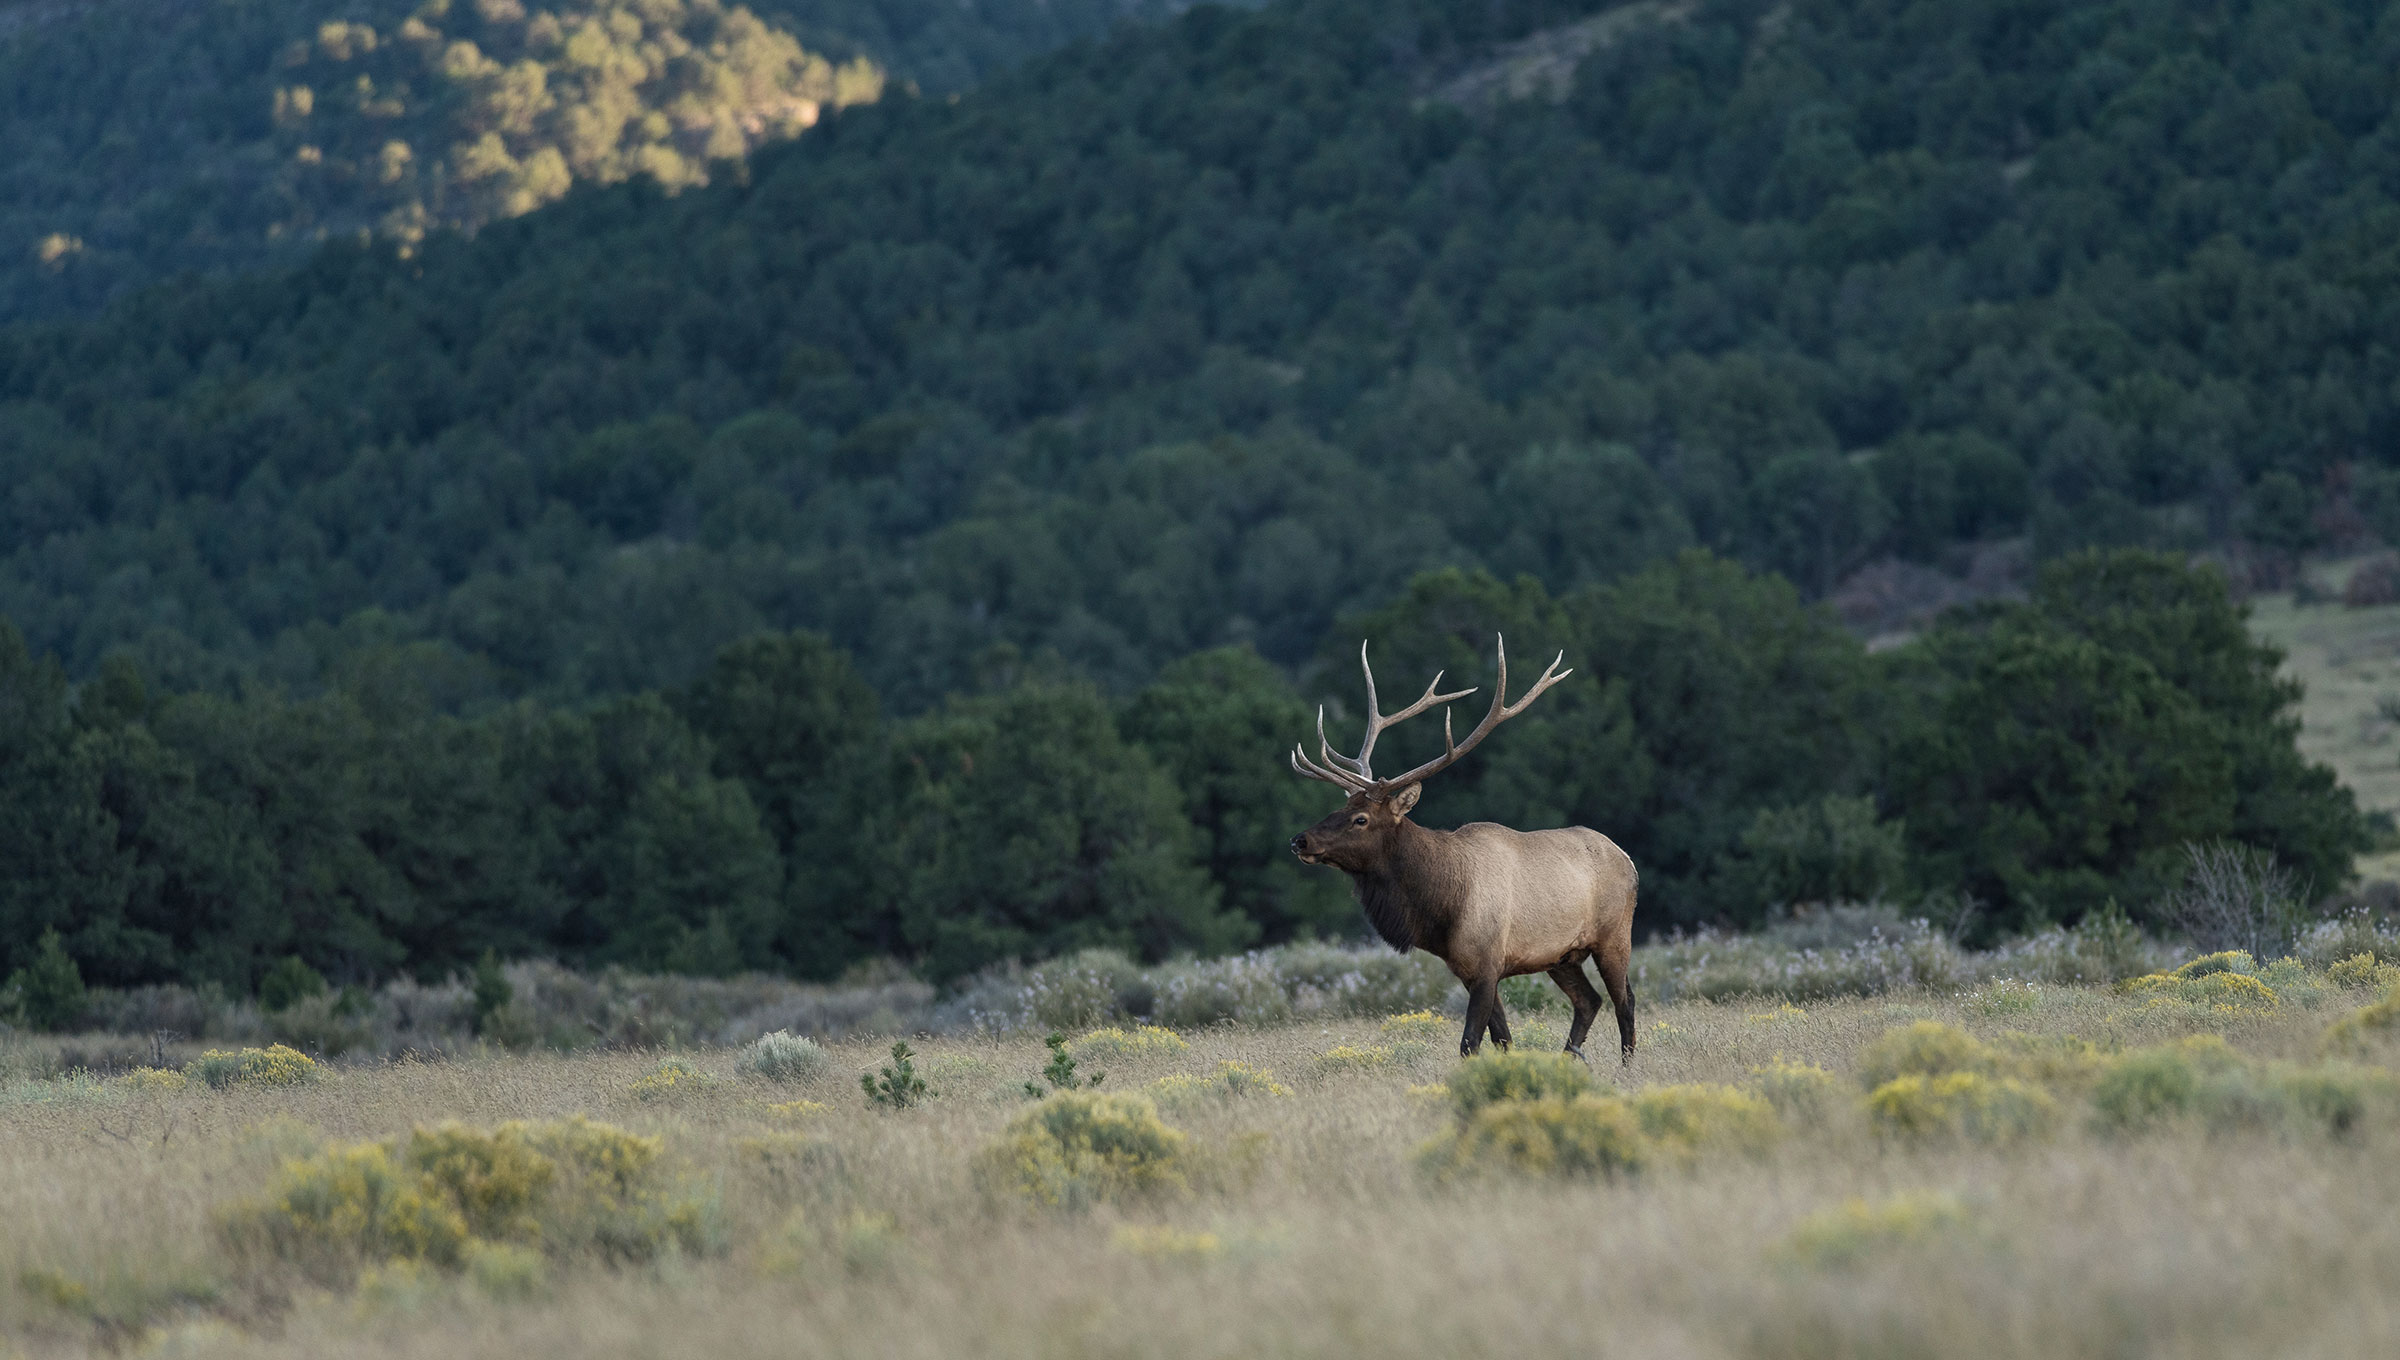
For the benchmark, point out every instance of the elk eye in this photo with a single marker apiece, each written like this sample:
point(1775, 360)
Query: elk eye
point(1359, 820)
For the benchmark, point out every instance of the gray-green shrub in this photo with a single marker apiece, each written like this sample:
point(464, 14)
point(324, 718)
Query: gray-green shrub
point(783, 1056)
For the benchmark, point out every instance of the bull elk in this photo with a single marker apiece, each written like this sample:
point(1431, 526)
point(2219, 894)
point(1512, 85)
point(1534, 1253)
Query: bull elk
point(1489, 901)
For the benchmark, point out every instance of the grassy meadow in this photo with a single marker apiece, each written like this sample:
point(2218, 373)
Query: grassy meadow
point(2010, 1169)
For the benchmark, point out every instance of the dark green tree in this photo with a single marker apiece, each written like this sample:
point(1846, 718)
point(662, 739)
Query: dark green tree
point(49, 990)
point(1025, 827)
point(2182, 622)
point(2056, 774)
point(1218, 722)
point(789, 717)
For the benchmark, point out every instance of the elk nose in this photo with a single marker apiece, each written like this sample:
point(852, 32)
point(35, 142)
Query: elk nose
point(1300, 844)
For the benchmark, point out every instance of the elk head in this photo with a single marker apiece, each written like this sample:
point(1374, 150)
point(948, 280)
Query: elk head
point(1358, 836)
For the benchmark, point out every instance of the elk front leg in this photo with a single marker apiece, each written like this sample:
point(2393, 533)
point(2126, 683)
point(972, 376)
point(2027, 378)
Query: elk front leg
point(1483, 1012)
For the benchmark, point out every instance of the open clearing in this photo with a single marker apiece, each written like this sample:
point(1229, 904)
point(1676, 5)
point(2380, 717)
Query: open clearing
point(1306, 1223)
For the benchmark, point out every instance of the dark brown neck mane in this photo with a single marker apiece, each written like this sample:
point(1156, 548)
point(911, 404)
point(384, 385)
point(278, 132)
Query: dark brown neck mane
point(1408, 898)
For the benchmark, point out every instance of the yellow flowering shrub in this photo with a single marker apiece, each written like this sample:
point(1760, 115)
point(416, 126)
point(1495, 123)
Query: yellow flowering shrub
point(2363, 970)
point(672, 1078)
point(450, 1196)
point(2369, 1024)
point(1079, 1148)
point(1802, 1092)
point(1353, 1057)
point(1230, 1080)
point(1578, 1135)
point(1117, 1045)
point(1585, 1133)
point(158, 1080)
point(2226, 980)
point(274, 1065)
point(1688, 1120)
point(1969, 1104)
point(1489, 1078)
point(1425, 1025)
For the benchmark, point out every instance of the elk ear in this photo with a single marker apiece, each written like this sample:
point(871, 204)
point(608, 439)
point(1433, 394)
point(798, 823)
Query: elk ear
point(1406, 799)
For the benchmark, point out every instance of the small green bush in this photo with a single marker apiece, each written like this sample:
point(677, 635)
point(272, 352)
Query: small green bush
point(784, 1056)
point(2223, 961)
point(1928, 1048)
point(1531, 994)
point(2203, 1080)
point(1060, 1072)
point(290, 980)
point(1493, 1077)
point(897, 1086)
point(1080, 1148)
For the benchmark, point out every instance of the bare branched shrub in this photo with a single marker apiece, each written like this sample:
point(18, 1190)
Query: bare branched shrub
point(2237, 897)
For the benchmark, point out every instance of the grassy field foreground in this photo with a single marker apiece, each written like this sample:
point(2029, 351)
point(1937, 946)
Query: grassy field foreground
point(2038, 1171)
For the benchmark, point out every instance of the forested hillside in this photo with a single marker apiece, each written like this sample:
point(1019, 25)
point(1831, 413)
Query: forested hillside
point(143, 137)
point(1187, 359)
point(1216, 332)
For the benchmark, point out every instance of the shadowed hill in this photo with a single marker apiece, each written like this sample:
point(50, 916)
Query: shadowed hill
point(1216, 331)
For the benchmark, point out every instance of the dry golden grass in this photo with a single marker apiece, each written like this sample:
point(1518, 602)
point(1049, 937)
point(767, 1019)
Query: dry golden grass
point(2349, 662)
point(1308, 1227)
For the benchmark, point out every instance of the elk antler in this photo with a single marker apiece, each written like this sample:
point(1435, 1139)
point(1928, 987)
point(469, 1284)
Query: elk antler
point(1353, 774)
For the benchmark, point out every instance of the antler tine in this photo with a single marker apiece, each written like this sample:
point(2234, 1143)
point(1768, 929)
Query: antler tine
point(1303, 766)
point(1377, 720)
point(1501, 711)
point(1353, 774)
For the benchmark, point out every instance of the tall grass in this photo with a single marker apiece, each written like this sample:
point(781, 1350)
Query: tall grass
point(2074, 1170)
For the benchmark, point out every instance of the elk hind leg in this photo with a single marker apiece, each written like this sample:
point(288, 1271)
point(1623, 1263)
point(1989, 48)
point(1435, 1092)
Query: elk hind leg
point(1616, 970)
point(1584, 997)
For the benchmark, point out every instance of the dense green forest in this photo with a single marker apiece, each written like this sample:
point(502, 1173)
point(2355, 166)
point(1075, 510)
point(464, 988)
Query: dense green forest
point(143, 137)
point(2021, 765)
point(1168, 366)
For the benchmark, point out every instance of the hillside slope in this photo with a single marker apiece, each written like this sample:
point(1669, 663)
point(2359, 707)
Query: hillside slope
point(143, 137)
point(1219, 331)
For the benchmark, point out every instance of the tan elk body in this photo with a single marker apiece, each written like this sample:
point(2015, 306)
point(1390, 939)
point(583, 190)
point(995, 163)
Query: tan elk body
point(1489, 901)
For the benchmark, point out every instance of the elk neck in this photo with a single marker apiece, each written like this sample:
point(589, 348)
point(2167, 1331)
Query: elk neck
point(1411, 896)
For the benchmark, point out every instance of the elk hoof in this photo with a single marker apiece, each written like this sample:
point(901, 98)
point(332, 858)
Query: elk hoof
point(1576, 1053)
